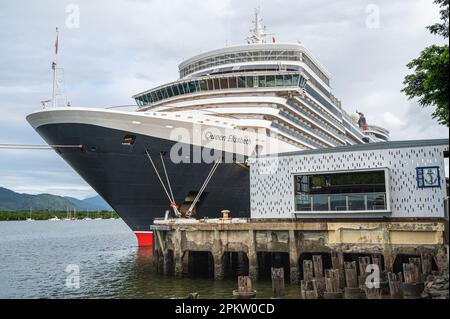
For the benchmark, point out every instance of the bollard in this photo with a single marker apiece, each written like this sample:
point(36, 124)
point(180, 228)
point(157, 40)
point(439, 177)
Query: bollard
point(278, 286)
point(225, 214)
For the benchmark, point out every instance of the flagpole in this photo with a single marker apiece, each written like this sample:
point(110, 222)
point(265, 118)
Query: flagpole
point(54, 71)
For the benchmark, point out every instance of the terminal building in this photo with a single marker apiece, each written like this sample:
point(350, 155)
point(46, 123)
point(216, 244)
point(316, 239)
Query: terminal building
point(382, 180)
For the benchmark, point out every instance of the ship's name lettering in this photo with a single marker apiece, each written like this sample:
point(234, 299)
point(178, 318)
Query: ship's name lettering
point(230, 138)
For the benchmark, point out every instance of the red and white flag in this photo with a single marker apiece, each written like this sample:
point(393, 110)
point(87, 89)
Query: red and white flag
point(56, 42)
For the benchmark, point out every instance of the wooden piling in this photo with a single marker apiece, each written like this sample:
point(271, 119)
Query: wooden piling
point(377, 260)
point(395, 285)
point(338, 263)
point(427, 264)
point(318, 266)
point(363, 262)
point(413, 285)
point(351, 275)
point(308, 289)
point(245, 288)
point(308, 272)
point(332, 280)
point(373, 293)
point(278, 286)
point(417, 269)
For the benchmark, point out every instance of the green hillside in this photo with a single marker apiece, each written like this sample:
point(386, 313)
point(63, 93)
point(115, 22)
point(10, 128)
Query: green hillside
point(12, 201)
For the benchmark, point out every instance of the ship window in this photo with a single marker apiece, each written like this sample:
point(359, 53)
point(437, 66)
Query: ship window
point(232, 82)
point(262, 81)
point(186, 88)
point(241, 82)
point(224, 83)
point(279, 80)
point(165, 93)
point(192, 87)
point(129, 140)
point(203, 85)
point(288, 80)
point(138, 102)
point(154, 97)
point(175, 90)
point(216, 84)
point(180, 88)
point(169, 91)
point(270, 81)
point(159, 94)
point(249, 80)
point(210, 85)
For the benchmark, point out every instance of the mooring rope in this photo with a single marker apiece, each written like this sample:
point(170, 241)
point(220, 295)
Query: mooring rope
point(36, 147)
point(202, 189)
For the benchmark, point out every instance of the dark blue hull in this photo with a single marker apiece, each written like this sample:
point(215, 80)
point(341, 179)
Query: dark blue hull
point(124, 177)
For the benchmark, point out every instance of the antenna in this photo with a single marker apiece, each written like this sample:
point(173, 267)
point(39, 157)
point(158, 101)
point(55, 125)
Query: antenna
point(55, 75)
point(259, 31)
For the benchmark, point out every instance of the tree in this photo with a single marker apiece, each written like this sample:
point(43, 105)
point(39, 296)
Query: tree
point(430, 81)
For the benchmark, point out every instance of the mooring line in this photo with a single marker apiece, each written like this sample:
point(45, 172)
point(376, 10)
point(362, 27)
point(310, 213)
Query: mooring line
point(36, 147)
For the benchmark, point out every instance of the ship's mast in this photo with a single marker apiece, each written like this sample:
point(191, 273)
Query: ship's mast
point(259, 31)
point(55, 75)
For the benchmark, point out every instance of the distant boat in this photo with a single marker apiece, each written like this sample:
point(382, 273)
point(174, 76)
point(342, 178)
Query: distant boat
point(55, 219)
point(30, 220)
point(98, 218)
point(87, 218)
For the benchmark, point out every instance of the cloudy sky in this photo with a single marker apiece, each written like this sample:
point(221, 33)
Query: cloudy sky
point(121, 47)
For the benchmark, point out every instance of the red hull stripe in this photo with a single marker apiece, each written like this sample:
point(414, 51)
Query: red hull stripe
point(144, 238)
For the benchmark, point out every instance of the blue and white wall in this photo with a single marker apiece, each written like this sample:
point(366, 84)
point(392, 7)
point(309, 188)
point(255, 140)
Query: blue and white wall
point(272, 178)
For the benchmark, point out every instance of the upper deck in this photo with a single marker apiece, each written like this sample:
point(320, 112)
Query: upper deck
point(254, 54)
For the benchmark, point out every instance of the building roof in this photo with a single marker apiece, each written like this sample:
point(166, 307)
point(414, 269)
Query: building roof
point(365, 147)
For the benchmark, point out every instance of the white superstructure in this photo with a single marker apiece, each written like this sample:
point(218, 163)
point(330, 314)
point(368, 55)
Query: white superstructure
point(279, 90)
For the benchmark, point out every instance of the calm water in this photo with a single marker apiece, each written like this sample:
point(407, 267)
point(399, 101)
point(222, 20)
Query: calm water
point(34, 257)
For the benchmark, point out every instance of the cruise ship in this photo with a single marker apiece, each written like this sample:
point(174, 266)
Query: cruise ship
point(183, 150)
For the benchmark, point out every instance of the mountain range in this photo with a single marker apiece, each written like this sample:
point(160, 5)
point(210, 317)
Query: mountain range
point(12, 201)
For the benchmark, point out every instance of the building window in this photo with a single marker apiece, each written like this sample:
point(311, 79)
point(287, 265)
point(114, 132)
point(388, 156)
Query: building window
point(359, 191)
